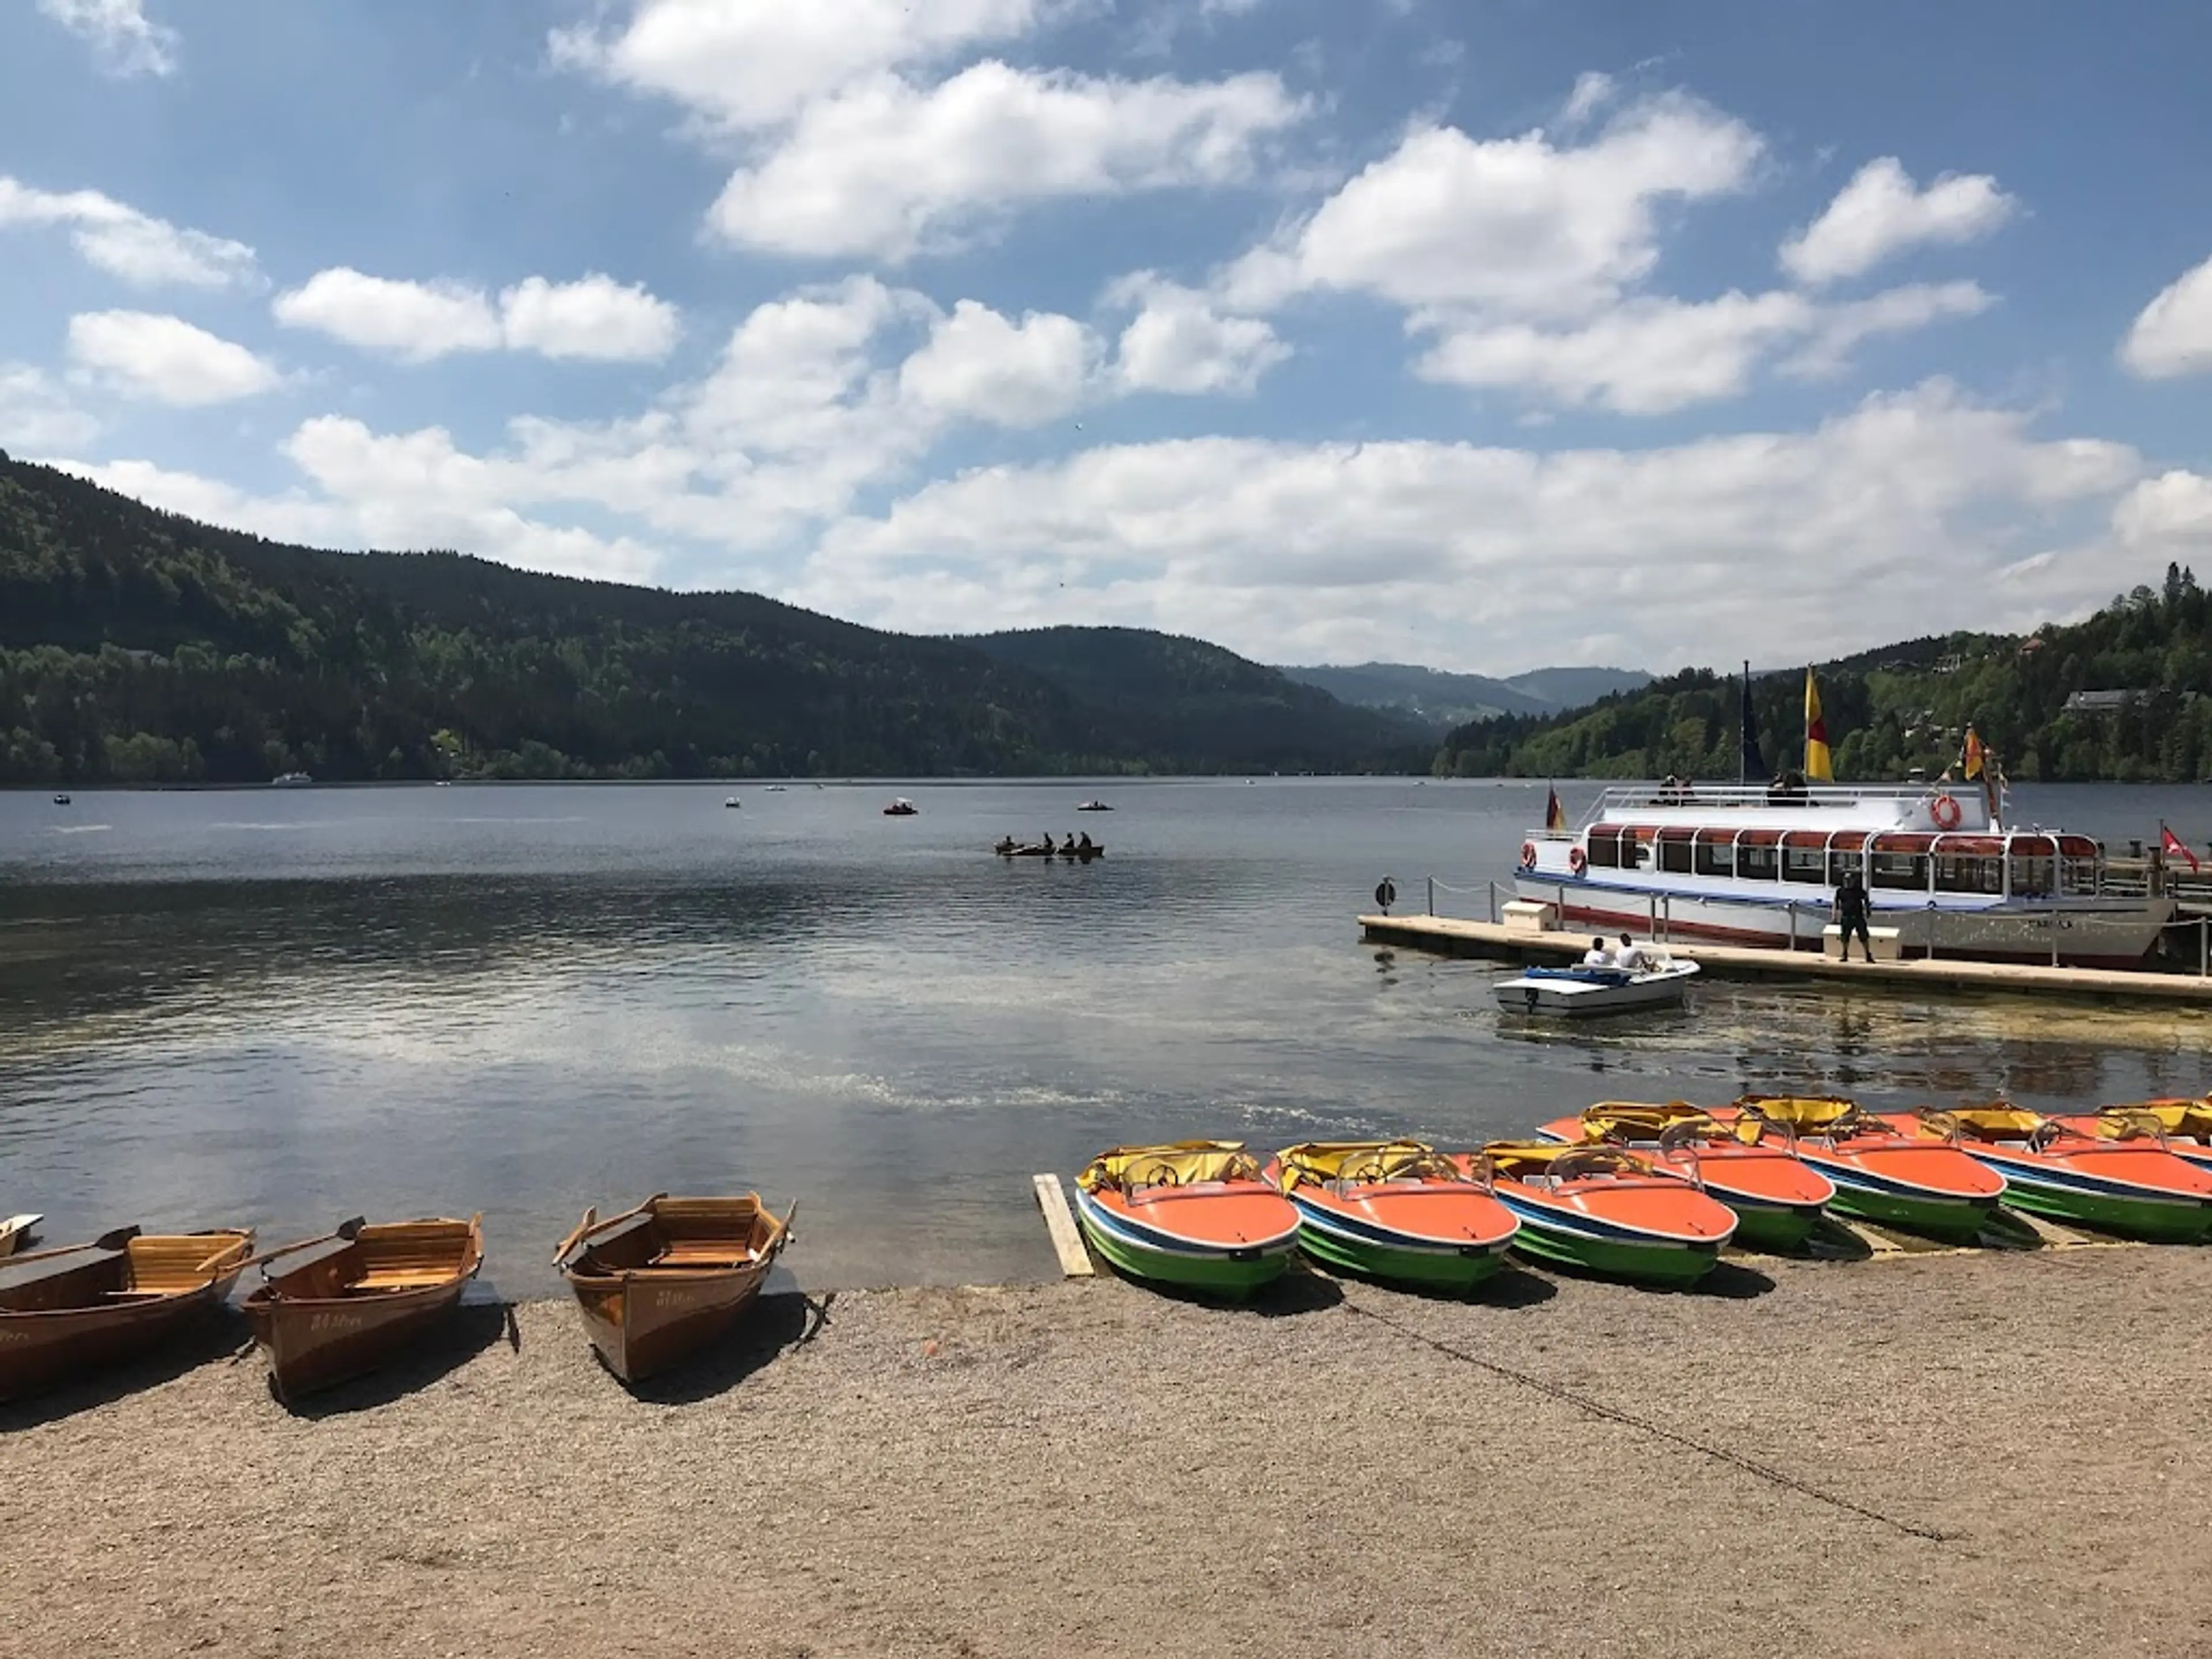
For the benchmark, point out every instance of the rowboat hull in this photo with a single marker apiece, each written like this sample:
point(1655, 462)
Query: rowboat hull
point(643, 1323)
point(1777, 1199)
point(1142, 1248)
point(352, 1310)
point(57, 1325)
point(658, 1284)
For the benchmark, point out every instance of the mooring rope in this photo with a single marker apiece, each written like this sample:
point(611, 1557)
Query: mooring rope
point(1613, 1414)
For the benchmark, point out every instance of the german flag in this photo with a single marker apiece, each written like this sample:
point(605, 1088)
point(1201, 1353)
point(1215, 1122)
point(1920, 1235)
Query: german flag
point(1555, 815)
point(1818, 766)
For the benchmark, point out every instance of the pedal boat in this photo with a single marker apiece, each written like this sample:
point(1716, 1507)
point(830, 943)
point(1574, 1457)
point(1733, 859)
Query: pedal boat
point(65, 1313)
point(1395, 1210)
point(1777, 1196)
point(1604, 1210)
point(2132, 1185)
point(2185, 1125)
point(1882, 1174)
point(1195, 1215)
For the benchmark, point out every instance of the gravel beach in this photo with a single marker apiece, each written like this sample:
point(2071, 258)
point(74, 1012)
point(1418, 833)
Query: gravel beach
point(1951, 1454)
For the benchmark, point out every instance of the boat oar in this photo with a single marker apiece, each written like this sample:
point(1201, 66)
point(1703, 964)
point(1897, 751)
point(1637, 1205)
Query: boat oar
point(349, 1231)
point(789, 1216)
point(115, 1239)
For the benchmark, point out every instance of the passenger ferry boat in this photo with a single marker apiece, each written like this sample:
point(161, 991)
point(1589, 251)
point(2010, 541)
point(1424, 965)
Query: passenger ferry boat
point(1755, 864)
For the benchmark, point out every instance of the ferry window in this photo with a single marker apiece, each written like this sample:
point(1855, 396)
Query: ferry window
point(1755, 863)
point(2078, 877)
point(1605, 850)
point(2030, 878)
point(1839, 863)
point(1805, 864)
point(1900, 870)
point(1715, 858)
point(1674, 856)
point(1968, 875)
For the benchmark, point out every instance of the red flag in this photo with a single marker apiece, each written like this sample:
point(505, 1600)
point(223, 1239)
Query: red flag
point(2178, 848)
point(1555, 815)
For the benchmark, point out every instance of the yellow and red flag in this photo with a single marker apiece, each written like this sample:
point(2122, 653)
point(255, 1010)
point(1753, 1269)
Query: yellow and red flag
point(1818, 768)
point(1555, 815)
point(1977, 760)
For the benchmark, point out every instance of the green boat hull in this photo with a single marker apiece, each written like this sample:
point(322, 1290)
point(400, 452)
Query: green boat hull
point(1767, 1227)
point(1435, 1270)
point(1228, 1277)
point(1673, 1265)
point(2148, 1219)
point(1958, 1220)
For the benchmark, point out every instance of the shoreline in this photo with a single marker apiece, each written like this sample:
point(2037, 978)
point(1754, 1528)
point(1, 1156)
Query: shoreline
point(1806, 1458)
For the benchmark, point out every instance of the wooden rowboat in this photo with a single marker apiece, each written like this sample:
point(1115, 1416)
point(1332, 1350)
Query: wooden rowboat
point(14, 1230)
point(65, 1312)
point(362, 1295)
point(660, 1282)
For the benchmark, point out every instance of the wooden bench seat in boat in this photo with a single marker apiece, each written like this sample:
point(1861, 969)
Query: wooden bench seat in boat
point(62, 1280)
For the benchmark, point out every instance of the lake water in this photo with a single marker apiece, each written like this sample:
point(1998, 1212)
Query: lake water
point(284, 1006)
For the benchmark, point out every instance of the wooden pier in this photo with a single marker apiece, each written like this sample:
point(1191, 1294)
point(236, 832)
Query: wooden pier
point(1450, 935)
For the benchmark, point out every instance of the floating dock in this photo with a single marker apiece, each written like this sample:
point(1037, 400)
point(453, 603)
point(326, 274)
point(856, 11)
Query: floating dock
point(1450, 935)
point(1060, 1223)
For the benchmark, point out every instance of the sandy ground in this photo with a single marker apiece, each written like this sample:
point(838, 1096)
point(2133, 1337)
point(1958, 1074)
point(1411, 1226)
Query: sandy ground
point(1955, 1455)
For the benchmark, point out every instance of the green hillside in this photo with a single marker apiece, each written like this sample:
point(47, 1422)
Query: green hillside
point(2138, 677)
point(138, 645)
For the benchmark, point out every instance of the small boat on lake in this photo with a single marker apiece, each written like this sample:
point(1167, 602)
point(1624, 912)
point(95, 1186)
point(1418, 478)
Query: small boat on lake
point(1197, 1215)
point(15, 1231)
point(1777, 1196)
point(1395, 1210)
point(2122, 1184)
point(900, 808)
point(291, 779)
point(1882, 1174)
point(1094, 806)
point(65, 1312)
point(1604, 1210)
point(2183, 1126)
point(358, 1296)
point(61, 800)
point(733, 801)
point(1575, 992)
point(657, 1282)
point(1011, 849)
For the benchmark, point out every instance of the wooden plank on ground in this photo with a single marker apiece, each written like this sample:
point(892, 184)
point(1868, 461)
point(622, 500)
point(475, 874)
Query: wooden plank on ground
point(1059, 1222)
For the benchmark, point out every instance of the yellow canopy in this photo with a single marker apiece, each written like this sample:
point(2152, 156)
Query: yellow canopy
point(1320, 1162)
point(2192, 1118)
point(1629, 1119)
point(1516, 1160)
point(1808, 1114)
point(1175, 1164)
point(1996, 1122)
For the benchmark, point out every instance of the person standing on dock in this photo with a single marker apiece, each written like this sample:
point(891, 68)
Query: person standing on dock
point(1851, 914)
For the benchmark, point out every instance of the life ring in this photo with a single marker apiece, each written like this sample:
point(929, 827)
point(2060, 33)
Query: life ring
point(1946, 811)
point(1528, 856)
point(1576, 860)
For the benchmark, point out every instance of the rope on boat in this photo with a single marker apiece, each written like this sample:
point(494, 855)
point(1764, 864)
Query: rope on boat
point(1613, 1414)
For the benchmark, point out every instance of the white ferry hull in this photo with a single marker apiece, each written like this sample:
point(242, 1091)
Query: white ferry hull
point(2111, 933)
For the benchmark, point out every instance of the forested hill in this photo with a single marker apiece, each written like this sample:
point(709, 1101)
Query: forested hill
point(138, 645)
point(2125, 696)
point(1225, 714)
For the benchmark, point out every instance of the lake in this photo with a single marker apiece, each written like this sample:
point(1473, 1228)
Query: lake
point(287, 1005)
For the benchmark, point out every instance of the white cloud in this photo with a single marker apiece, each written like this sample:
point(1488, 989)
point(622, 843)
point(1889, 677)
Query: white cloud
point(140, 249)
point(139, 354)
point(596, 317)
point(2174, 335)
point(2172, 512)
point(414, 321)
point(1423, 550)
point(757, 65)
point(1594, 90)
point(124, 39)
point(885, 170)
point(1519, 225)
point(1881, 213)
point(36, 415)
point(1837, 330)
point(987, 366)
point(1180, 342)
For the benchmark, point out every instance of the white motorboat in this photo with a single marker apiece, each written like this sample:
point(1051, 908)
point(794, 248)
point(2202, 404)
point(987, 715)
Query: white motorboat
point(14, 1230)
point(1577, 991)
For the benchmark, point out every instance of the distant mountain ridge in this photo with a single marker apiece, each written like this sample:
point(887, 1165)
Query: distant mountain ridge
point(1441, 700)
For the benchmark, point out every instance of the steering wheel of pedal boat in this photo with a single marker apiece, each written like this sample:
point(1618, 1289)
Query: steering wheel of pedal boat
point(2048, 1133)
point(1157, 1173)
point(1690, 1134)
point(1584, 1161)
point(2135, 1125)
point(1945, 1124)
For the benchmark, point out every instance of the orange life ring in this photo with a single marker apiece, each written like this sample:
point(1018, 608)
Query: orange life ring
point(1576, 860)
point(1528, 856)
point(1947, 811)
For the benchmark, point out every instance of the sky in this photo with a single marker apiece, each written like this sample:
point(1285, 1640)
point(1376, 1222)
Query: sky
point(1486, 334)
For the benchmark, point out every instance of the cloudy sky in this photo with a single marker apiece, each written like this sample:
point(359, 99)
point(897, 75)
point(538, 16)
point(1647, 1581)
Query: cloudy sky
point(1483, 333)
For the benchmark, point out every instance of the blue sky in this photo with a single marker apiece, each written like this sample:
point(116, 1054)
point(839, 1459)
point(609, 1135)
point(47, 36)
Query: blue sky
point(1485, 335)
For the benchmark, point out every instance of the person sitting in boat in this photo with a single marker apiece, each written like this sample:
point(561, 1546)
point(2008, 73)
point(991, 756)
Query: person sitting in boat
point(1084, 846)
point(1597, 955)
point(1049, 847)
point(1632, 957)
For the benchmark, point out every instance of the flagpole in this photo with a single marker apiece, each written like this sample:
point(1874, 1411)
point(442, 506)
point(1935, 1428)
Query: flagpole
point(1743, 760)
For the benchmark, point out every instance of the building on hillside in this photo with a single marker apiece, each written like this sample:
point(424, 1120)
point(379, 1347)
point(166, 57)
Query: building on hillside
point(2099, 703)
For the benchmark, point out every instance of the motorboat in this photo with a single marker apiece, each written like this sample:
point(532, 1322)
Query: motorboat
point(1575, 992)
point(733, 801)
point(900, 808)
point(1396, 1210)
point(1094, 806)
point(1194, 1215)
point(1776, 1196)
point(660, 1282)
point(2126, 1184)
point(1604, 1210)
point(16, 1231)
point(1882, 1174)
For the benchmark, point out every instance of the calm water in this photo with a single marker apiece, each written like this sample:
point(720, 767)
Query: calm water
point(285, 1006)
